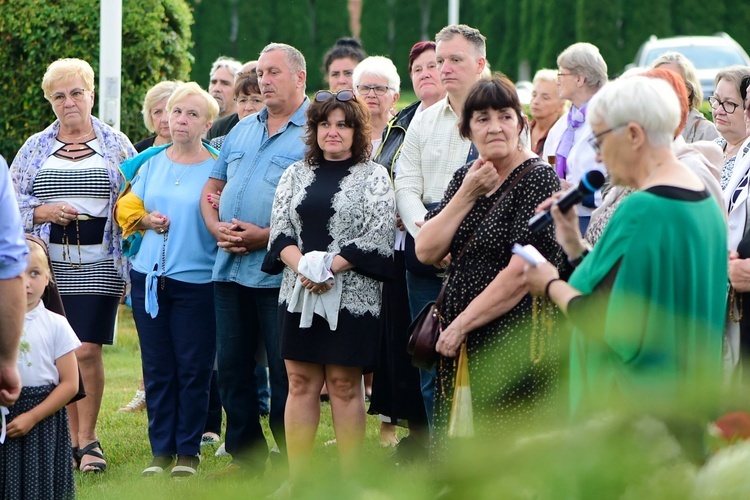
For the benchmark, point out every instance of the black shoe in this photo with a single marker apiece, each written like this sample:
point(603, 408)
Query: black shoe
point(409, 450)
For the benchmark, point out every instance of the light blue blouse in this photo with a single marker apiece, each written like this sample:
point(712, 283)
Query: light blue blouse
point(189, 249)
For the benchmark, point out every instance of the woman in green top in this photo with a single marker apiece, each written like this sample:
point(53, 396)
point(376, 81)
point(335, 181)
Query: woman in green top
point(648, 302)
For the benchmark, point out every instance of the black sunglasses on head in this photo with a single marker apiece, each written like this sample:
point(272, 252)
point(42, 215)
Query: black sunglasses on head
point(341, 96)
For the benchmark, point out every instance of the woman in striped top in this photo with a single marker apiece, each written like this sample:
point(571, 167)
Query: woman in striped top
point(67, 179)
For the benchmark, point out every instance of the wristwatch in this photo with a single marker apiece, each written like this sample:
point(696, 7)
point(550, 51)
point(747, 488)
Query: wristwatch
point(577, 261)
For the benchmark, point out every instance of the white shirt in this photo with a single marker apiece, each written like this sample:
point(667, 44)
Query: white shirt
point(46, 337)
point(738, 214)
point(432, 152)
point(581, 158)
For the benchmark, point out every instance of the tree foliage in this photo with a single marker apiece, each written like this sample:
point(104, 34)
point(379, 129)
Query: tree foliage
point(156, 40)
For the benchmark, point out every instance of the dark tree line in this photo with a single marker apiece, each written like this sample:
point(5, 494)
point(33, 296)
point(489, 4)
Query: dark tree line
point(522, 35)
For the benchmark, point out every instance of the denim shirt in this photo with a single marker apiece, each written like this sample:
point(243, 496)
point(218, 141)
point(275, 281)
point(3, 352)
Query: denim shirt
point(13, 248)
point(251, 163)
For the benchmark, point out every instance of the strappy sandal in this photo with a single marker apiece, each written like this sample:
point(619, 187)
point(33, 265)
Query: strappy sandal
point(90, 450)
point(76, 459)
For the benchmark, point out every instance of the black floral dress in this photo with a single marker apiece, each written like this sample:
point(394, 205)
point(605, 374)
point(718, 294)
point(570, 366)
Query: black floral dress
point(508, 388)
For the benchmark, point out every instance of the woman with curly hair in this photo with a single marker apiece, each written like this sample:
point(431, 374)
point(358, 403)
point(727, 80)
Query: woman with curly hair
point(332, 236)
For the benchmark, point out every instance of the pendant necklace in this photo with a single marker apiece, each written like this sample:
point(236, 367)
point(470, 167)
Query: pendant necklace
point(187, 167)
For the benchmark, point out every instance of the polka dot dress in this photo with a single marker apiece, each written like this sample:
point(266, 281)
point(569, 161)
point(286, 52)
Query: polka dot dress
point(507, 388)
point(39, 464)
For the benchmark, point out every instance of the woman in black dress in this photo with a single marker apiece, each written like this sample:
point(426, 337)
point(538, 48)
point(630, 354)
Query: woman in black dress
point(512, 366)
point(332, 235)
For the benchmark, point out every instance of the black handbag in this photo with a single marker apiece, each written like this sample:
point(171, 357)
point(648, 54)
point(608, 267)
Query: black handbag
point(425, 329)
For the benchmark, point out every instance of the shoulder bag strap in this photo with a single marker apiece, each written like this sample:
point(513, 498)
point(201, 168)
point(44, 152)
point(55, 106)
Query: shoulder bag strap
point(507, 190)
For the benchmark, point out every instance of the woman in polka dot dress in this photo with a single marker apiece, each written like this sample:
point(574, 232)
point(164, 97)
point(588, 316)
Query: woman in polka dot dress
point(36, 459)
point(513, 359)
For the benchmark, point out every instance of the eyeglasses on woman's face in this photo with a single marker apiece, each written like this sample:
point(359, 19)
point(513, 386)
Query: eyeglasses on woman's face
point(378, 89)
point(728, 106)
point(341, 96)
point(594, 141)
point(59, 98)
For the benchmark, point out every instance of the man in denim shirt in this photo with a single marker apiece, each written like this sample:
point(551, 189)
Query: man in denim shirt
point(254, 155)
point(13, 252)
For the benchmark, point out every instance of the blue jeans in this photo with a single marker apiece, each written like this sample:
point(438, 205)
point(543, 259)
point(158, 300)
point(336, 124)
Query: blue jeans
point(243, 316)
point(264, 390)
point(177, 352)
point(422, 290)
point(213, 420)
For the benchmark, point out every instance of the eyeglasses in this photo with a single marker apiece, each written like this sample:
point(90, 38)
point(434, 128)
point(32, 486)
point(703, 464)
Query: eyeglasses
point(594, 139)
point(242, 101)
point(341, 96)
point(729, 106)
point(379, 89)
point(76, 94)
point(560, 73)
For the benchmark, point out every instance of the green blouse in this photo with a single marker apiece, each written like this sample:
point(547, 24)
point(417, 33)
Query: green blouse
point(663, 320)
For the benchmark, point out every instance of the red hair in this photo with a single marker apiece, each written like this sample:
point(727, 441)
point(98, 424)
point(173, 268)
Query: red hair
point(678, 84)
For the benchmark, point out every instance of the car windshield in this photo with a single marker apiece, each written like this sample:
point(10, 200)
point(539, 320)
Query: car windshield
point(702, 57)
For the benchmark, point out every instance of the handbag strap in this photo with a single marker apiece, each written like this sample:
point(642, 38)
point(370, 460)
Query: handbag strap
point(507, 190)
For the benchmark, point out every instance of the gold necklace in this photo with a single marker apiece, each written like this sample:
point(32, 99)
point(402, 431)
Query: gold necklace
point(187, 167)
point(75, 140)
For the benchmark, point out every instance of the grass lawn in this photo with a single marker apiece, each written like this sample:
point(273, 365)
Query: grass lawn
point(125, 440)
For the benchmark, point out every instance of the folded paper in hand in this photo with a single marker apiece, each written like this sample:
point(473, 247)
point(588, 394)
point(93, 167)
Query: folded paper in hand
point(529, 253)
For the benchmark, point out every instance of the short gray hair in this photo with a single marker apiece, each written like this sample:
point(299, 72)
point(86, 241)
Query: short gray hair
point(471, 35)
point(232, 65)
point(584, 59)
point(545, 75)
point(294, 58)
point(378, 66)
point(734, 75)
point(649, 102)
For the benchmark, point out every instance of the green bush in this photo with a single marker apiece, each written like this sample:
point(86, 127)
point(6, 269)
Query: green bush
point(156, 38)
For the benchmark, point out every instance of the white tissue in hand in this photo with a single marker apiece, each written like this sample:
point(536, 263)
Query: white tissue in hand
point(316, 266)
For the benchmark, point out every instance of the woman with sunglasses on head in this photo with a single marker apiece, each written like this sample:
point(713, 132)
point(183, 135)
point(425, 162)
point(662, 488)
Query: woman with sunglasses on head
point(67, 179)
point(332, 236)
point(728, 110)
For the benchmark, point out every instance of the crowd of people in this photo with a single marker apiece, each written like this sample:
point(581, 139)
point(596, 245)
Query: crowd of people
point(275, 244)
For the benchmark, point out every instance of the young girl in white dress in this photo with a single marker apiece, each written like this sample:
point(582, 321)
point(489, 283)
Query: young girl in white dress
point(36, 457)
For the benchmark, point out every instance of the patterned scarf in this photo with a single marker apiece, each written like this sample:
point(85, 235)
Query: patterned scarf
point(576, 118)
